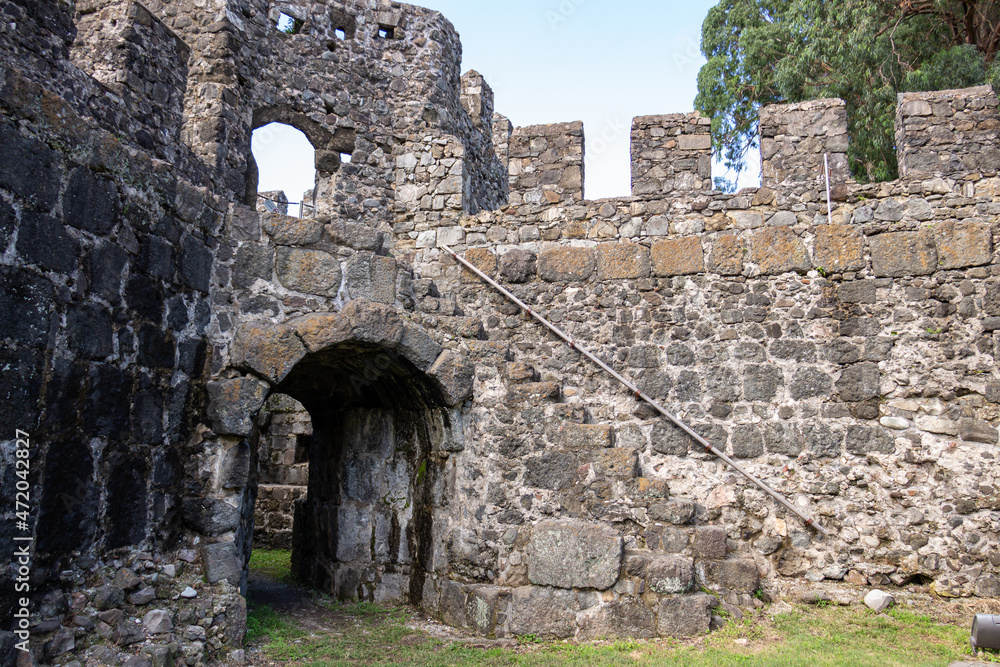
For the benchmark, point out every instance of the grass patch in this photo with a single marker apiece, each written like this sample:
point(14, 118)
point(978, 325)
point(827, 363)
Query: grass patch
point(367, 634)
point(274, 564)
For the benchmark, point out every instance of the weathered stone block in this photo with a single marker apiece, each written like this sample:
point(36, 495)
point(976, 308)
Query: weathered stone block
point(627, 617)
point(761, 383)
point(684, 616)
point(622, 261)
point(288, 231)
point(709, 542)
point(455, 376)
point(748, 442)
point(481, 258)
point(518, 266)
point(669, 574)
point(486, 606)
point(616, 463)
point(271, 351)
point(551, 470)
point(962, 244)
point(738, 575)
point(859, 382)
point(309, 271)
point(862, 439)
point(899, 254)
point(779, 250)
point(232, 405)
point(585, 436)
point(727, 255)
point(976, 430)
point(563, 265)
point(418, 347)
point(543, 612)
point(677, 511)
point(574, 554)
point(678, 257)
point(221, 562)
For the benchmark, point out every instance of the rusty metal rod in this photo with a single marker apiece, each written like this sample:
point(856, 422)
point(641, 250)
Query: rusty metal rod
point(639, 394)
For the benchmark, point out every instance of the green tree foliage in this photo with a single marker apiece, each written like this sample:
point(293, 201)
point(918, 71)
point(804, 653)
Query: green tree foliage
point(863, 51)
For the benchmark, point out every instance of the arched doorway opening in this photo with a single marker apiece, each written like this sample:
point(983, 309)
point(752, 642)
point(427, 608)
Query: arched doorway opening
point(365, 529)
point(384, 400)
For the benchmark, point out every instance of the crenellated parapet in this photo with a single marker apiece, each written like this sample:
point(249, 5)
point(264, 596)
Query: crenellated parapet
point(134, 55)
point(948, 134)
point(546, 164)
point(794, 139)
point(671, 154)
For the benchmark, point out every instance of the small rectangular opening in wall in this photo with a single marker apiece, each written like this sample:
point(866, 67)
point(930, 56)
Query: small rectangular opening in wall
point(289, 24)
point(386, 32)
point(341, 34)
point(345, 158)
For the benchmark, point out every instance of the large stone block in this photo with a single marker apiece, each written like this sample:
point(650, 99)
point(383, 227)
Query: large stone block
point(518, 266)
point(616, 463)
point(962, 244)
point(727, 255)
point(839, 248)
point(481, 258)
point(574, 554)
point(487, 605)
point(309, 271)
point(418, 347)
point(899, 254)
point(779, 250)
point(669, 574)
point(563, 265)
point(232, 404)
point(372, 277)
point(25, 300)
point(584, 436)
point(288, 231)
point(738, 575)
point(90, 202)
point(859, 382)
point(863, 439)
point(455, 376)
point(543, 612)
point(627, 617)
point(684, 616)
point(271, 351)
point(678, 257)
point(622, 261)
point(221, 562)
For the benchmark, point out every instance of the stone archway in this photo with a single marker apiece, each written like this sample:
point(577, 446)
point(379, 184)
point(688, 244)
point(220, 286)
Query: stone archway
point(385, 402)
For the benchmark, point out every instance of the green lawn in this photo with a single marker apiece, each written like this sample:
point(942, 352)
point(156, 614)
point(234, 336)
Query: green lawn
point(366, 634)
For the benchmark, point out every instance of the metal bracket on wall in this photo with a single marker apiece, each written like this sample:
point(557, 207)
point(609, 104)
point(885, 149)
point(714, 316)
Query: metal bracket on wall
point(639, 394)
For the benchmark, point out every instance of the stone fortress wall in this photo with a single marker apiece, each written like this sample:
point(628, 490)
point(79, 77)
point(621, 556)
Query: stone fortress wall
point(461, 459)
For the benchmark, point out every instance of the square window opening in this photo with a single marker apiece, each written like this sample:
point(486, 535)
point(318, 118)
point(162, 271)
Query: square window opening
point(341, 34)
point(289, 24)
point(386, 32)
point(345, 158)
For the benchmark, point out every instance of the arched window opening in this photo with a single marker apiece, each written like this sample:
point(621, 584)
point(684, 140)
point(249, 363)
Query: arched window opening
point(286, 162)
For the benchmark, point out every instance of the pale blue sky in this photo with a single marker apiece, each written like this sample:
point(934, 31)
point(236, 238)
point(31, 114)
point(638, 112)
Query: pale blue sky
point(551, 61)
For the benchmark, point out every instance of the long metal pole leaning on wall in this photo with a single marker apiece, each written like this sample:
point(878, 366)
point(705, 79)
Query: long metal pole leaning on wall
point(639, 394)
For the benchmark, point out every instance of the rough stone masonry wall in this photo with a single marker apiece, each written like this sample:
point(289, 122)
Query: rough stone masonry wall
point(107, 285)
point(850, 363)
